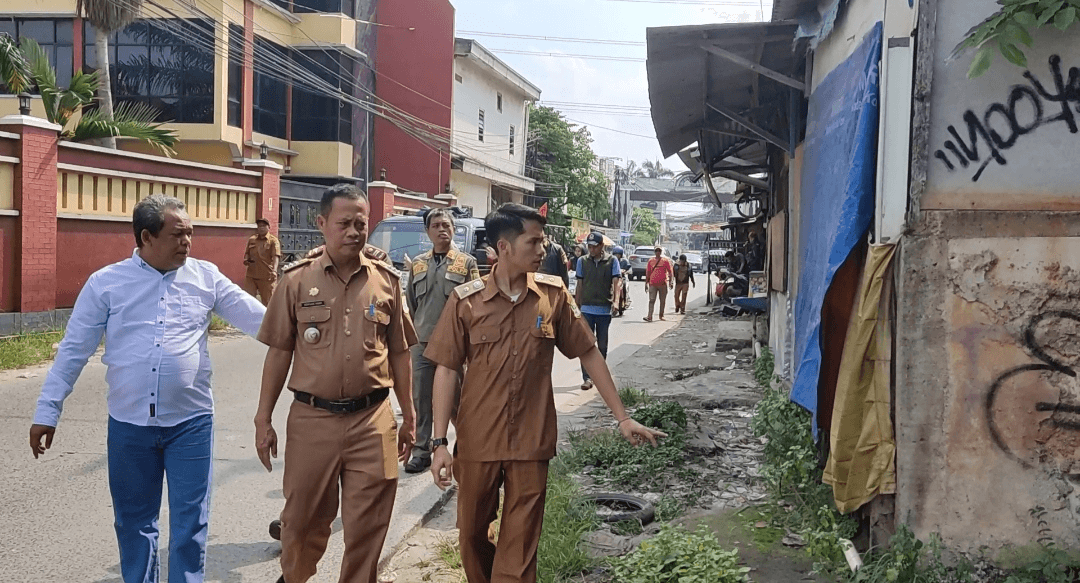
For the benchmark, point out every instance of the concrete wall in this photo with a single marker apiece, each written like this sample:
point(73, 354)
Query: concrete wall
point(471, 191)
point(415, 61)
point(987, 337)
point(478, 90)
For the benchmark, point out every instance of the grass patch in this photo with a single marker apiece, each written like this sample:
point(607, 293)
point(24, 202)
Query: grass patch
point(632, 397)
point(27, 349)
point(677, 555)
point(217, 324)
point(567, 517)
point(449, 554)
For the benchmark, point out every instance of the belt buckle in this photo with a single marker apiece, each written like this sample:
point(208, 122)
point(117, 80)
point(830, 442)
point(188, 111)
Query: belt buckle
point(340, 407)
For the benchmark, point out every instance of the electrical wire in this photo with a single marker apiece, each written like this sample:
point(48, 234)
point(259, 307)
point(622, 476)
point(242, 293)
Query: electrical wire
point(567, 55)
point(554, 38)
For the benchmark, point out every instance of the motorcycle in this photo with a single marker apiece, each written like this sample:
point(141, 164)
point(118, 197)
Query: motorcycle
point(622, 303)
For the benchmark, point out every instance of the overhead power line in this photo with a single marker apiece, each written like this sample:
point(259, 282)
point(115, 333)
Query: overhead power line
point(572, 56)
point(566, 39)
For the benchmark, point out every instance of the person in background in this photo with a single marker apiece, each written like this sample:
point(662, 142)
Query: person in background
point(154, 311)
point(579, 252)
point(755, 253)
point(684, 278)
point(434, 274)
point(261, 258)
point(599, 280)
point(622, 297)
point(507, 328)
point(658, 276)
point(555, 261)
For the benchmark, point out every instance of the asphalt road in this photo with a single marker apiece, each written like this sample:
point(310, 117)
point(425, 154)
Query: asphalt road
point(55, 512)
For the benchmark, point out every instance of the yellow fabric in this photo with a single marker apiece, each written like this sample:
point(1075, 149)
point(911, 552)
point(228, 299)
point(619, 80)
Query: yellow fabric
point(862, 455)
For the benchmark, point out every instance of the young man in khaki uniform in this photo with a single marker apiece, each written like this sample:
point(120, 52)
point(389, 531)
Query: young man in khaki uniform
point(261, 258)
point(506, 328)
point(433, 276)
point(340, 321)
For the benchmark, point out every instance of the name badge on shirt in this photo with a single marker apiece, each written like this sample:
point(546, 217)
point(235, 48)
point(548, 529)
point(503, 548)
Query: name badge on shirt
point(312, 304)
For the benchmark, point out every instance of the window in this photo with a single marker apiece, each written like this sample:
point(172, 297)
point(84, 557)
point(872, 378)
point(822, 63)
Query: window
point(458, 78)
point(236, 75)
point(55, 37)
point(498, 102)
point(168, 64)
point(480, 127)
point(318, 117)
point(346, 7)
point(268, 108)
point(511, 140)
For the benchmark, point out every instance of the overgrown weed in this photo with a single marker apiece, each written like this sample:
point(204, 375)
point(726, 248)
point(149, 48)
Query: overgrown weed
point(676, 555)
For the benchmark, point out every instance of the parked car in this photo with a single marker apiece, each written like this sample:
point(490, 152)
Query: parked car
point(694, 259)
point(403, 235)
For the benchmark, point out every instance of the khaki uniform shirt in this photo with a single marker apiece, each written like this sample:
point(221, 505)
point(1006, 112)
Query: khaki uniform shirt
point(261, 253)
point(430, 284)
point(507, 409)
point(358, 322)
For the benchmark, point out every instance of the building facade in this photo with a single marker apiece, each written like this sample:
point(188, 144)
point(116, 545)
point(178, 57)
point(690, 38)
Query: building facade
point(490, 130)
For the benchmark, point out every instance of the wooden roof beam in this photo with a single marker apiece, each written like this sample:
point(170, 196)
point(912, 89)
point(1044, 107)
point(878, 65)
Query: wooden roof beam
point(757, 130)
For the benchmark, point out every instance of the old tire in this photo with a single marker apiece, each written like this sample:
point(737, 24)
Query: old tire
point(624, 507)
point(275, 529)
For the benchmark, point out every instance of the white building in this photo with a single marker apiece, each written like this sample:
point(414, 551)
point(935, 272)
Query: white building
point(490, 128)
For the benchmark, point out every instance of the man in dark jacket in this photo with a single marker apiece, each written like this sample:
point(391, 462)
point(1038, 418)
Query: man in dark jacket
point(554, 261)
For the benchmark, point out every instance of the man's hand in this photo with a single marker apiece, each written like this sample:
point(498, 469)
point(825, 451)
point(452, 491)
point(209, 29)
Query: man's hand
point(406, 438)
point(36, 433)
point(265, 442)
point(637, 433)
point(442, 467)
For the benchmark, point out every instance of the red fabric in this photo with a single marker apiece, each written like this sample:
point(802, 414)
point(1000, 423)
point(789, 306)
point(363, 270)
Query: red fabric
point(659, 269)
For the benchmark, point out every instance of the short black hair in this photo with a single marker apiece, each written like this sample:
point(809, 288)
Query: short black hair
point(149, 214)
point(508, 222)
point(344, 190)
point(682, 257)
point(433, 214)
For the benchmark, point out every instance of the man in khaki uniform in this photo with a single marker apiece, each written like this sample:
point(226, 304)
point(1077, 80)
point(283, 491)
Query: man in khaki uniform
point(340, 321)
point(261, 258)
point(506, 328)
point(433, 276)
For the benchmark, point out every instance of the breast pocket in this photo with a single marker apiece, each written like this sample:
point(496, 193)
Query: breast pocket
point(194, 313)
point(482, 340)
point(313, 326)
point(376, 324)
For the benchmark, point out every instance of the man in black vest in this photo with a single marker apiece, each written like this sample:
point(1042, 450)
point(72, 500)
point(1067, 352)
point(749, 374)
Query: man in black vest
point(598, 279)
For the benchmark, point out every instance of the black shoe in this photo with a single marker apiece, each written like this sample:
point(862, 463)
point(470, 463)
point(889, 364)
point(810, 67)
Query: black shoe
point(281, 579)
point(275, 529)
point(417, 465)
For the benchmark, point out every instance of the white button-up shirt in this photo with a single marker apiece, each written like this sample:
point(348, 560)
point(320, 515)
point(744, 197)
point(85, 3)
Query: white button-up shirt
point(155, 327)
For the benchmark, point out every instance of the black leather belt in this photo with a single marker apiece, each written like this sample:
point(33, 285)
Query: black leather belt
point(345, 406)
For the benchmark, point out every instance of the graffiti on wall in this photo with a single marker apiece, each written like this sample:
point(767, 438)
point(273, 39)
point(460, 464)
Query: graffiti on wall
point(1033, 410)
point(999, 128)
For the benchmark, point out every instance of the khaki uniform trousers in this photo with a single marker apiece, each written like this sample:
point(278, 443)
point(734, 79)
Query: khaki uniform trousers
point(264, 288)
point(525, 490)
point(655, 290)
point(681, 289)
point(324, 452)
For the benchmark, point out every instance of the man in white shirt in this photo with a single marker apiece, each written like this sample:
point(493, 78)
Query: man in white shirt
point(154, 311)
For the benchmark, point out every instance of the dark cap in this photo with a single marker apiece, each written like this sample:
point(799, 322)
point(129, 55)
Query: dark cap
point(262, 220)
point(594, 238)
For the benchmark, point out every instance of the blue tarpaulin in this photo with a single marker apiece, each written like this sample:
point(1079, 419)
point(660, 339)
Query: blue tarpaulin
point(836, 196)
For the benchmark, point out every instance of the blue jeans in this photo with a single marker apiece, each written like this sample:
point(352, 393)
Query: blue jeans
point(139, 457)
point(599, 326)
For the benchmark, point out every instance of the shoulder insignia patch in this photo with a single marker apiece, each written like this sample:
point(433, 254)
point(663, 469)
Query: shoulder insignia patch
point(552, 280)
point(295, 264)
point(467, 289)
point(419, 265)
point(574, 308)
point(458, 263)
point(373, 252)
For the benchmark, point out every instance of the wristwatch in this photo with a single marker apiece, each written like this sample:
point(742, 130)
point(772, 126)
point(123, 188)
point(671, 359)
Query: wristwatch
point(434, 443)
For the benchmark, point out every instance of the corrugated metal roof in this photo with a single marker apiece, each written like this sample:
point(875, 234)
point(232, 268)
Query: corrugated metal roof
point(790, 9)
point(689, 86)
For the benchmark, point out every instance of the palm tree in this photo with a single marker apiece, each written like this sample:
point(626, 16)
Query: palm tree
point(107, 17)
point(26, 66)
point(656, 169)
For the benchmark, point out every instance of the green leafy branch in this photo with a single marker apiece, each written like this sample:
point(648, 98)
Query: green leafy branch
point(1008, 28)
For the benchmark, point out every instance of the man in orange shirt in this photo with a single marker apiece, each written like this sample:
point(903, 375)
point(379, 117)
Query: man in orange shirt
point(660, 276)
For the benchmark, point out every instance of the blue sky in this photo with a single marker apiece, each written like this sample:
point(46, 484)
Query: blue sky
point(587, 80)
